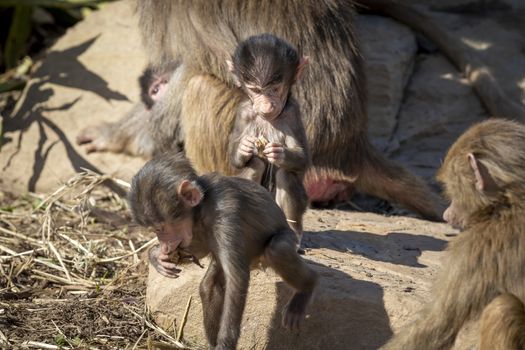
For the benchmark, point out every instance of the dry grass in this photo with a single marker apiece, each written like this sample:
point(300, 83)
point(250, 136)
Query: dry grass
point(73, 271)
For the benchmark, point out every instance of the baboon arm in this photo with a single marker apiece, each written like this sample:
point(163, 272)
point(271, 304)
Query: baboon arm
point(241, 123)
point(296, 156)
point(237, 160)
point(128, 134)
point(131, 133)
point(295, 159)
point(458, 294)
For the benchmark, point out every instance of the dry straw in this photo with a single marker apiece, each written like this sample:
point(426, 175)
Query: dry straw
point(71, 270)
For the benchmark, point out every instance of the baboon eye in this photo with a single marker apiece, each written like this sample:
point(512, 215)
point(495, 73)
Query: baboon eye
point(155, 90)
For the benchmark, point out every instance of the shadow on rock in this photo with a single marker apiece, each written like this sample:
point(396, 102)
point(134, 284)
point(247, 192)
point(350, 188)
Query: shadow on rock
point(394, 247)
point(345, 314)
point(72, 74)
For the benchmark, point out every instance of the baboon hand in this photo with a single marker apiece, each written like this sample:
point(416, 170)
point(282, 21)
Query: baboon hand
point(162, 263)
point(274, 152)
point(93, 138)
point(247, 147)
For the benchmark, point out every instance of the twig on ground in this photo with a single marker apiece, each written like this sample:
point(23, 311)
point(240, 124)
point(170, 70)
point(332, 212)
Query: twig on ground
point(184, 319)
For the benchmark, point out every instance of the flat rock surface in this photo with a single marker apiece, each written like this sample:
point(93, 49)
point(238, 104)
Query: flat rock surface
point(376, 271)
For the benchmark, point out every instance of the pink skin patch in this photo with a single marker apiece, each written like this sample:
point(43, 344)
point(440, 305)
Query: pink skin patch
point(158, 88)
point(328, 190)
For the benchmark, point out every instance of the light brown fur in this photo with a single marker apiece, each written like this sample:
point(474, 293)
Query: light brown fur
point(503, 324)
point(488, 258)
point(332, 94)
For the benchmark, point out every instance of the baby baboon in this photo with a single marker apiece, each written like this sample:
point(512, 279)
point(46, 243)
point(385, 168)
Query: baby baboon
point(131, 133)
point(269, 137)
point(484, 177)
point(233, 220)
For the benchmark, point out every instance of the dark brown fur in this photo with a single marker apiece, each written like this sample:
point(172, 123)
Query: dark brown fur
point(331, 96)
point(488, 258)
point(233, 220)
point(270, 66)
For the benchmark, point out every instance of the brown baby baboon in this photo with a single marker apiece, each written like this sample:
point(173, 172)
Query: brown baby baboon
point(131, 133)
point(484, 177)
point(233, 220)
point(268, 141)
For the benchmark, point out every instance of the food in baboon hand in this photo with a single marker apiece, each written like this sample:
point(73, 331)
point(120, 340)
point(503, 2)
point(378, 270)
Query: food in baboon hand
point(261, 143)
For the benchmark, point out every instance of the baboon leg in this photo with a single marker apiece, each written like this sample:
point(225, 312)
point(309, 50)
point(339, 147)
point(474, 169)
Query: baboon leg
point(254, 170)
point(388, 180)
point(281, 255)
point(502, 324)
point(291, 197)
point(212, 296)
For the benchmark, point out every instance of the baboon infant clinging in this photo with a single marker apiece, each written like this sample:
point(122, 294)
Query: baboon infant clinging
point(484, 177)
point(233, 220)
point(131, 133)
point(269, 141)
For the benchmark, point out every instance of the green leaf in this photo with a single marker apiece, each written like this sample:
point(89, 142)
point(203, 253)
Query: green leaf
point(60, 340)
point(16, 45)
point(12, 85)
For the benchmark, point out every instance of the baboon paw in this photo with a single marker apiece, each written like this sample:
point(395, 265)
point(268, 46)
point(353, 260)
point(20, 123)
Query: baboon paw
point(292, 320)
point(295, 311)
point(92, 139)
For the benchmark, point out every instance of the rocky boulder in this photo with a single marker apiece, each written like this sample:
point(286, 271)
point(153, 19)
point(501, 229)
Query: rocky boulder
point(374, 273)
point(389, 50)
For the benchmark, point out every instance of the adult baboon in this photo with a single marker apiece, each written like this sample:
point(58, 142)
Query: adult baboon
point(203, 99)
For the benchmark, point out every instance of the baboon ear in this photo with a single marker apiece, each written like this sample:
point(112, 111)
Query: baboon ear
point(484, 181)
point(190, 194)
point(231, 68)
point(300, 68)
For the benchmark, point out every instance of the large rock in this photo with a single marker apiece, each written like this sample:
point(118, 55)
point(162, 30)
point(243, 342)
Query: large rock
point(440, 104)
point(438, 107)
point(389, 50)
point(87, 77)
point(374, 273)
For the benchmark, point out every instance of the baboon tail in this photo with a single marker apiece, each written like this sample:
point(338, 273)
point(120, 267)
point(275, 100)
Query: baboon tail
point(388, 180)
